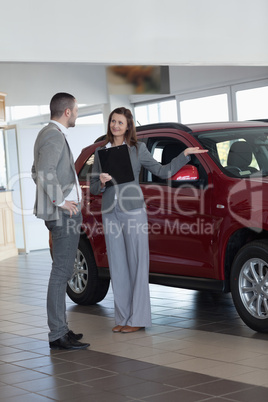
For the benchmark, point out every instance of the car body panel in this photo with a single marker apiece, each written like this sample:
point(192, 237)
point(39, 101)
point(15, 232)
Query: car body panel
point(190, 226)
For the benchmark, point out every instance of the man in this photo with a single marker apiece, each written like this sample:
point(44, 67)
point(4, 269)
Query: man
point(58, 197)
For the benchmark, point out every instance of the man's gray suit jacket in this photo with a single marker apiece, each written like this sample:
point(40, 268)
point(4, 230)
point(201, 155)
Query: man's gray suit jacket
point(53, 172)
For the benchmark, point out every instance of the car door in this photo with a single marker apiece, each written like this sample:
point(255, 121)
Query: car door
point(91, 211)
point(181, 228)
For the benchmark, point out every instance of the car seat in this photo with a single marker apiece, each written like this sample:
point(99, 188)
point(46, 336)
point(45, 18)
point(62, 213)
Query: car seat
point(240, 157)
point(170, 151)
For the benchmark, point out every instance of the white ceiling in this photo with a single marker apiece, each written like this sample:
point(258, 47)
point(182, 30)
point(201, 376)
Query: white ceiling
point(169, 32)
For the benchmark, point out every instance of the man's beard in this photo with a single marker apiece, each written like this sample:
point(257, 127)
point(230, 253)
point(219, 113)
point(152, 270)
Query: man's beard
point(71, 123)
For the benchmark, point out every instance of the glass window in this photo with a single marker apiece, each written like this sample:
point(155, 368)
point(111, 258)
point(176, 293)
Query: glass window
point(153, 113)
point(168, 111)
point(239, 153)
point(223, 149)
point(157, 154)
point(163, 150)
point(22, 112)
point(252, 103)
point(3, 172)
point(141, 114)
point(44, 109)
point(156, 112)
point(84, 173)
point(204, 110)
point(90, 119)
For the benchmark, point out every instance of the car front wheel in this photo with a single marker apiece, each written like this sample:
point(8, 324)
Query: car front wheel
point(249, 285)
point(85, 287)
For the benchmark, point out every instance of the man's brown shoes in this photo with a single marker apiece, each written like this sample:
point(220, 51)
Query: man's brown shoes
point(126, 329)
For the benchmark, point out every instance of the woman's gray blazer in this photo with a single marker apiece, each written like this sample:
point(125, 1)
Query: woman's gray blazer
point(129, 195)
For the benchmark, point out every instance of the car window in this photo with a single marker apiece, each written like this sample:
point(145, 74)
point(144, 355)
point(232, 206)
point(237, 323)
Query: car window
point(164, 150)
point(223, 149)
point(84, 174)
point(239, 153)
point(157, 153)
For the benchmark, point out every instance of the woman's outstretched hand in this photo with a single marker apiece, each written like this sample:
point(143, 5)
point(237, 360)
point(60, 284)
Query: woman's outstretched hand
point(194, 150)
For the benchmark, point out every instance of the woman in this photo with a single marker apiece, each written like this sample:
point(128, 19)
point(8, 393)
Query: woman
point(125, 222)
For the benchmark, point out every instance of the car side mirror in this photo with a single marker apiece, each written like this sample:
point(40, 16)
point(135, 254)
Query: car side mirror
point(186, 173)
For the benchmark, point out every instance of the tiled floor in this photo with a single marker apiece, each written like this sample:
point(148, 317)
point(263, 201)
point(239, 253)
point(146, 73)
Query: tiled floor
point(197, 350)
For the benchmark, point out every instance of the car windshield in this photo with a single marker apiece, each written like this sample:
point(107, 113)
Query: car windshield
point(239, 153)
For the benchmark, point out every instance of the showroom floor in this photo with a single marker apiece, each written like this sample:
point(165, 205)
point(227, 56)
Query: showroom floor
point(198, 349)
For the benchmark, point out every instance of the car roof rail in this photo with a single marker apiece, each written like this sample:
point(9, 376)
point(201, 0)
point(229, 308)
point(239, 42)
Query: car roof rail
point(264, 120)
point(154, 126)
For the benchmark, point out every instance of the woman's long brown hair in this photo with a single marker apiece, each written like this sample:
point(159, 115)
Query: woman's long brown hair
point(130, 135)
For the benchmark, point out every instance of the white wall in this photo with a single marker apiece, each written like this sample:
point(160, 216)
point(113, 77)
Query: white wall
point(36, 83)
point(186, 79)
point(170, 32)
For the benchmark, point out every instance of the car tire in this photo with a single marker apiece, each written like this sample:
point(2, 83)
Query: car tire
point(249, 284)
point(85, 287)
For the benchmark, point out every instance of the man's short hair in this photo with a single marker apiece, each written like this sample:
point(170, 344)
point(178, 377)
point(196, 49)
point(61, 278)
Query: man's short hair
point(59, 103)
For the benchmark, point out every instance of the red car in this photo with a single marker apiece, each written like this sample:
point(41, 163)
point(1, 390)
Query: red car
point(208, 224)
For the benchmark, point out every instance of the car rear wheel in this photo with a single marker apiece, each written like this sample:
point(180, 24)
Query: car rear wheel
point(85, 287)
point(249, 285)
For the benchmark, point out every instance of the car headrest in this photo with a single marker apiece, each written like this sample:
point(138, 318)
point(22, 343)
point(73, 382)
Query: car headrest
point(170, 151)
point(240, 155)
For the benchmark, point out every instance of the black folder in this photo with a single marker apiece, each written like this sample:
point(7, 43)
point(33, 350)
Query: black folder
point(116, 161)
